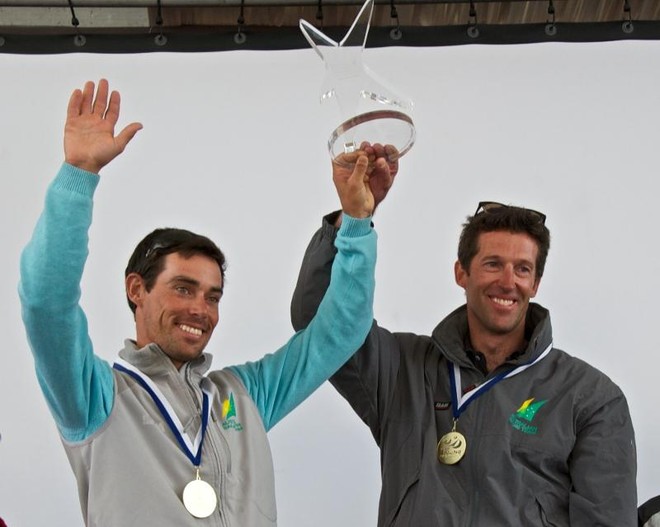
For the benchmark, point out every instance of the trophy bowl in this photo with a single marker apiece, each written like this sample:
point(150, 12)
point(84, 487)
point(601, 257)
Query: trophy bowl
point(387, 127)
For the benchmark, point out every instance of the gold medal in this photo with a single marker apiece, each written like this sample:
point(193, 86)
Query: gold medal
point(451, 447)
point(199, 498)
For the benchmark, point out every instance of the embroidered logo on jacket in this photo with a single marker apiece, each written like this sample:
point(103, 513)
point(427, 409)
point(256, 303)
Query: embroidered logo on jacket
point(524, 415)
point(229, 420)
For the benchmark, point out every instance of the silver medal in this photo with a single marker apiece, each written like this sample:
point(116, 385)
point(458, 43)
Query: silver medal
point(199, 498)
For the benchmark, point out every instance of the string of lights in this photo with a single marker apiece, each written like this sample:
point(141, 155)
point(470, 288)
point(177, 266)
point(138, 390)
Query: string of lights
point(203, 25)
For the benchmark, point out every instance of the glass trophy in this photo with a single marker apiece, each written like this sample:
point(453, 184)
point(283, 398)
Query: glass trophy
point(366, 109)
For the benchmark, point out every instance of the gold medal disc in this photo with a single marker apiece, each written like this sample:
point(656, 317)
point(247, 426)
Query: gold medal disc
point(451, 447)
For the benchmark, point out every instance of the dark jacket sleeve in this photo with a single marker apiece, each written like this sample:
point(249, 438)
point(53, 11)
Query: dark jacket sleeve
point(603, 463)
point(315, 271)
point(367, 380)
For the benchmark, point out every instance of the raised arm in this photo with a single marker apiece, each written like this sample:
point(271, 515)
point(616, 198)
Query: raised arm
point(77, 385)
point(282, 380)
point(366, 379)
point(314, 277)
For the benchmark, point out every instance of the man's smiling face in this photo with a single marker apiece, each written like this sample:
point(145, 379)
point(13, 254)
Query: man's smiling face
point(499, 284)
point(180, 311)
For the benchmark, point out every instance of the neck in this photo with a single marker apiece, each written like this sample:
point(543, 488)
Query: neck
point(497, 348)
point(177, 364)
point(139, 344)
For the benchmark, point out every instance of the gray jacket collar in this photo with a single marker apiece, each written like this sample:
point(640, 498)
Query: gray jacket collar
point(451, 333)
point(152, 361)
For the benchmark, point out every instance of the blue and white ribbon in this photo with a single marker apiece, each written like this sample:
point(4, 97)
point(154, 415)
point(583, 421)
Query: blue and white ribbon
point(460, 402)
point(192, 449)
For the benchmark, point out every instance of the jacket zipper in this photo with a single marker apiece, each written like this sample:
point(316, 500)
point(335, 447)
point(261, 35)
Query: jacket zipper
point(210, 443)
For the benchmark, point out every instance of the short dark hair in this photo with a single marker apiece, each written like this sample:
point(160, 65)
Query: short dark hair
point(148, 258)
point(504, 218)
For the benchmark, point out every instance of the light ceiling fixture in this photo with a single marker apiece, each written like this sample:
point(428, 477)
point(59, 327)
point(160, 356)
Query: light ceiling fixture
point(627, 26)
point(472, 29)
point(551, 27)
point(240, 37)
point(160, 39)
point(79, 40)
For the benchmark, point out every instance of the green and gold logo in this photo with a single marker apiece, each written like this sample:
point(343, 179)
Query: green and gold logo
point(229, 420)
point(522, 418)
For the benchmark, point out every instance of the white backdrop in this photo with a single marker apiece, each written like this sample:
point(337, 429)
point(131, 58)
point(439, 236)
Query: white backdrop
point(232, 148)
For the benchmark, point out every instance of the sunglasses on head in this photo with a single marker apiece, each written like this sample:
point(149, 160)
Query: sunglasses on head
point(157, 246)
point(491, 207)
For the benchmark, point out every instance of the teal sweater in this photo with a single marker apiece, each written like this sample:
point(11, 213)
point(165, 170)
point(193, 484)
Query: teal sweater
point(79, 386)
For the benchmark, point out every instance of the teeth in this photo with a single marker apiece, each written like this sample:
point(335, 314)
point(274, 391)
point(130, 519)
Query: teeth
point(503, 301)
point(189, 329)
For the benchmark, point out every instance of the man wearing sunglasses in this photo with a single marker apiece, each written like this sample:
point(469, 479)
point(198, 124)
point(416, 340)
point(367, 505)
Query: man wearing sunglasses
point(155, 440)
point(485, 422)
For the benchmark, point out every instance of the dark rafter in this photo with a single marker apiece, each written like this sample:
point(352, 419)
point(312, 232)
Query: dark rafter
point(205, 25)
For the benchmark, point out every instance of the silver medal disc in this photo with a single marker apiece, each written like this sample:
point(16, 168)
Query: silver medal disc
point(199, 498)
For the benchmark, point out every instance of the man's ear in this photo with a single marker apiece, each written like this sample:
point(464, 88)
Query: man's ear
point(460, 274)
point(135, 288)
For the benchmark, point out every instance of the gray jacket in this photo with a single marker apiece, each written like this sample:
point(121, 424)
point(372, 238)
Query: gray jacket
point(236, 458)
point(572, 462)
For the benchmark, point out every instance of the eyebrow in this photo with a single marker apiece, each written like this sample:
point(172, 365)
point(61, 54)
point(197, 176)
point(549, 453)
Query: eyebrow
point(191, 281)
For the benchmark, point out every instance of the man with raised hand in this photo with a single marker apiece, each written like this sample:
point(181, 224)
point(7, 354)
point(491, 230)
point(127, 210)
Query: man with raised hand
point(157, 439)
point(485, 422)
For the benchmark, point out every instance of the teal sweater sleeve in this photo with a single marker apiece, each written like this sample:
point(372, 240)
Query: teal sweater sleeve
point(78, 386)
point(280, 381)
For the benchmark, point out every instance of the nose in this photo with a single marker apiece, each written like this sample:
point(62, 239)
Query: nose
point(507, 277)
point(198, 306)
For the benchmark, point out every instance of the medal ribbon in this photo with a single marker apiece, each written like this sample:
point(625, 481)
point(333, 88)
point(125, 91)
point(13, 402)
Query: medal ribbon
point(461, 402)
point(192, 449)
